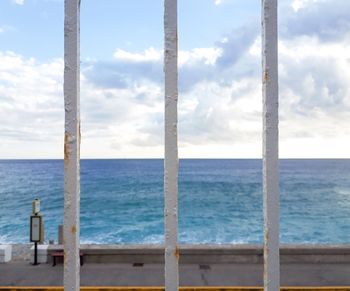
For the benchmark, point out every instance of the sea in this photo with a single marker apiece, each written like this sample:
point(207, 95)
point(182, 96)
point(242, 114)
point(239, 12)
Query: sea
point(220, 201)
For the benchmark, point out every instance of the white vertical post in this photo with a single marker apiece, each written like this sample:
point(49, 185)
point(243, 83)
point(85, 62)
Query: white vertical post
point(71, 145)
point(171, 162)
point(270, 145)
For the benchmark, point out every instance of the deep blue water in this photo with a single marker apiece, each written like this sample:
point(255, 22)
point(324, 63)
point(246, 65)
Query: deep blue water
point(220, 200)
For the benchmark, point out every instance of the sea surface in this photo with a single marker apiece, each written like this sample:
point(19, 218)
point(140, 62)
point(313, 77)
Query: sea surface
point(220, 201)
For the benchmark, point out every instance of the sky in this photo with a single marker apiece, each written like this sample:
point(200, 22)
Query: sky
point(220, 99)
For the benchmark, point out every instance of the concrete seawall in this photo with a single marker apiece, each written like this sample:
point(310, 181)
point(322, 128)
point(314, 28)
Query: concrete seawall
point(213, 254)
point(200, 265)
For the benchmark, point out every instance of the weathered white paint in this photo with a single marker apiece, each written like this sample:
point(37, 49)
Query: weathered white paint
point(71, 144)
point(42, 254)
point(270, 145)
point(171, 162)
point(5, 253)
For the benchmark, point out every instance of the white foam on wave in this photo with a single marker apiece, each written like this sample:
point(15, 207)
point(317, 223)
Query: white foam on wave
point(5, 239)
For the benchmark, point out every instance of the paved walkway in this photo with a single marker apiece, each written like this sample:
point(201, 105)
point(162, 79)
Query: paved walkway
point(93, 274)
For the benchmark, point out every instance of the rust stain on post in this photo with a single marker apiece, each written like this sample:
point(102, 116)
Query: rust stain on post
point(266, 77)
point(177, 253)
point(66, 150)
point(65, 259)
point(73, 230)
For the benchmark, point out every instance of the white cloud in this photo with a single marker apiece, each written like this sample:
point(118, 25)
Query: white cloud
point(5, 28)
point(31, 117)
point(19, 2)
point(326, 19)
point(221, 2)
point(208, 56)
point(300, 4)
point(149, 55)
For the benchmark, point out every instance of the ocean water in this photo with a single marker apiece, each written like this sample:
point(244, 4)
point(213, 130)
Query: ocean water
point(220, 200)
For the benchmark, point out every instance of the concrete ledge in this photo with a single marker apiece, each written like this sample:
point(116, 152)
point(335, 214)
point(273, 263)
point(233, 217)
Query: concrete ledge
point(211, 254)
point(42, 254)
point(156, 288)
point(5, 253)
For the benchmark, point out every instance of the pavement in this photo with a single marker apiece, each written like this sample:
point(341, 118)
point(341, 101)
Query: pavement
point(19, 273)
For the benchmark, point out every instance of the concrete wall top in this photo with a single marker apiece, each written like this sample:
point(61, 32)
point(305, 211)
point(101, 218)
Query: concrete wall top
point(213, 249)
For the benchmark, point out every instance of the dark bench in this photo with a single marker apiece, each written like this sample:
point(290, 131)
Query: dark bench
point(61, 255)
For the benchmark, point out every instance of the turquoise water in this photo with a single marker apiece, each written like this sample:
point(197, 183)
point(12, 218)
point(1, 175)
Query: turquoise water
point(220, 200)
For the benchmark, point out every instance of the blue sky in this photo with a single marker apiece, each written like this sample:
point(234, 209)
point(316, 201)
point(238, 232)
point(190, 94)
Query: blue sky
point(219, 78)
point(36, 25)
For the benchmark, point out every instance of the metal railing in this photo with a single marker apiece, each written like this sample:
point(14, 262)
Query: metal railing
point(72, 145)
